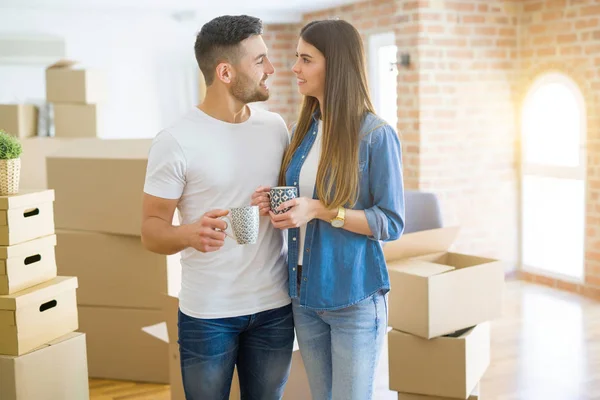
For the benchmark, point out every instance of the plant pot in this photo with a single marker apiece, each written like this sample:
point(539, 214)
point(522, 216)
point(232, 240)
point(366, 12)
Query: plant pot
point(10, 173)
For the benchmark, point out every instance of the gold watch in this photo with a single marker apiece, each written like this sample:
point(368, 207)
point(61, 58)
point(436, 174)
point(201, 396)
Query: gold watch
point(339, 221)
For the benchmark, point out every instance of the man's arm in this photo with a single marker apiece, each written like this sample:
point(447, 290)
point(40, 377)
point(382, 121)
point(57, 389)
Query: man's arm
point(160, 236)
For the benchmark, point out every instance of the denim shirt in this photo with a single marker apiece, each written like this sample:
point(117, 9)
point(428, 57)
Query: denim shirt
point(341, 268)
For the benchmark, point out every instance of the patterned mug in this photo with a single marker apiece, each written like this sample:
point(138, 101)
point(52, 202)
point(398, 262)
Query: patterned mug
point(244, 222)
point(281, 194)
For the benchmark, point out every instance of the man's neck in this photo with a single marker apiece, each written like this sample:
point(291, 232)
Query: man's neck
point(224, 107)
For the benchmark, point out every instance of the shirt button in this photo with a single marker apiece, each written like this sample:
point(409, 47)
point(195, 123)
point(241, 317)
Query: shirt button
point(314, 133)
point(294, 239)
point(305, 279)
point(302, 156)
point(295, 183)
point(293, 269)
point(307, 250)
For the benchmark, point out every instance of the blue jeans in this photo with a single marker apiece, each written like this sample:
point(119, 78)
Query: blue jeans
point(341, 348)
point(260, 345)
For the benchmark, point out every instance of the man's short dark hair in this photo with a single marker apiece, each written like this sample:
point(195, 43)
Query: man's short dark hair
point(219, 41)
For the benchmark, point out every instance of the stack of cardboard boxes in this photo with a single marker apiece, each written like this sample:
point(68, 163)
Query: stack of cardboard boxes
point(75, 95)
point(41, 355)
point(99, 187)
point(440, 306)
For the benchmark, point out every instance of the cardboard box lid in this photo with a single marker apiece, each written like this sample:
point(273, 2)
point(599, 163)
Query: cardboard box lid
point(26, 198)
point(62, 63)
point(420, 243)
point(27, 248)
point(95, 148)
point(38, 293)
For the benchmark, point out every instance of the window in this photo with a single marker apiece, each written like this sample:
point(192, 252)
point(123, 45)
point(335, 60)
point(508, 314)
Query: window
point(383, 76)
point(553, 178)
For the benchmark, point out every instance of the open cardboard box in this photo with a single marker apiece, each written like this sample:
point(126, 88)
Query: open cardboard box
point(435, 291)
point(297, 385)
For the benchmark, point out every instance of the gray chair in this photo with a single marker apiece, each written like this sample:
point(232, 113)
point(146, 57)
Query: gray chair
point(422, 211)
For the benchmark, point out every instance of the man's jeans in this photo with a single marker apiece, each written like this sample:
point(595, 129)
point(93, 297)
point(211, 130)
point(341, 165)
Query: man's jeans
point(259, 344)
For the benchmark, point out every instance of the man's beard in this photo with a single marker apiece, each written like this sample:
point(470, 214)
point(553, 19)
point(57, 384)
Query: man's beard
point(245, 90)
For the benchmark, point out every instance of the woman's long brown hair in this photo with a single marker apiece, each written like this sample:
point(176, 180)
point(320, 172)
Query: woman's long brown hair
point(345, 103)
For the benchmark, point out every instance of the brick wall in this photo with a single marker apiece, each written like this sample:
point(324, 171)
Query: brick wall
point(468, 74)
point(281, 40)
point(564, 36)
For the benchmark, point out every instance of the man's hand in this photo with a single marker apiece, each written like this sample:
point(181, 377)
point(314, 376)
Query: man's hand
point(205, 234)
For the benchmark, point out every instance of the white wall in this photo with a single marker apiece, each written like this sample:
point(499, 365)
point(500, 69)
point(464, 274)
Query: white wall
point(147, 58)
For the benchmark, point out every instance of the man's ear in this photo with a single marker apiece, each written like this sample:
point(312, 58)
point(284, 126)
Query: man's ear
point(225, 72)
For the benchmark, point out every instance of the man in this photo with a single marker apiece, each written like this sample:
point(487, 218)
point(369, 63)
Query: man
point(234, 303)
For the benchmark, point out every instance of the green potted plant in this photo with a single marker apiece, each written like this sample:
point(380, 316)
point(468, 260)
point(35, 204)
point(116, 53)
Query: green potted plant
point(10, 164)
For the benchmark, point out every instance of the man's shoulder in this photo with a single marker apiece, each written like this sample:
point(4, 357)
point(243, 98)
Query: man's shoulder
point(267, 116)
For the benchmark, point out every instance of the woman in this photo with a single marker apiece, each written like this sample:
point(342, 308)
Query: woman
point(346, 163)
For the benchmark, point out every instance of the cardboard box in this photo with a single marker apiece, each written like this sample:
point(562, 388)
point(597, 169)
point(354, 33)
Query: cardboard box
point(34, 316)
point(106, 176)
point(55, 370)
point(117, 347)
point(76, 120)
point(26, 216)
point(116, 270)
point(27, 264)
point(434, 291)
point(297, 387)
point(445, 366)
point(19, 120)
point(475, 395)
point(33, 159)
point(65, 84)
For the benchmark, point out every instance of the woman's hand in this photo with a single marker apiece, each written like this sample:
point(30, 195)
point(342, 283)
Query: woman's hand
point(260, 198)
point(302, 210)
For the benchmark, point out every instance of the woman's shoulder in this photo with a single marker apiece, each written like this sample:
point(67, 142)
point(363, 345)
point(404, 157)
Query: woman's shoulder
point(373, 126)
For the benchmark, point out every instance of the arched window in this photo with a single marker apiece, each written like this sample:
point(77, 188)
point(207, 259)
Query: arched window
point(553, 178)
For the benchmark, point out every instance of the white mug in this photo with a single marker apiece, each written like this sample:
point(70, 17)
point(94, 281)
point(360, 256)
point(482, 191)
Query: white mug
point(244, 222)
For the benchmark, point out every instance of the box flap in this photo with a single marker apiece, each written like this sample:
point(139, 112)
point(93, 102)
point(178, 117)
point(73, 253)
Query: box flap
point(38, 293)
point(420, 243)
point(27, 248)
point(95, 148)
point(63, 63)
point(419, 268)
point(26, 198)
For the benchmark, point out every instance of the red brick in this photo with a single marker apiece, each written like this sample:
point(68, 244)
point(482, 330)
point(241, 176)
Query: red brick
point(473, 19)
point(587, 23)
point(568, 38)
point(590, 11)
point(552, 16)
point(533, 6)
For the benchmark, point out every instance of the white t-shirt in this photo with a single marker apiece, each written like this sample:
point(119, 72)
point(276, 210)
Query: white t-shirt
point(308, 178)
point(208, 164)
